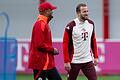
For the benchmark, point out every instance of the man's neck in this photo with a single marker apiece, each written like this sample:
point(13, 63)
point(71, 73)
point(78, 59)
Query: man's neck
point(81, 20)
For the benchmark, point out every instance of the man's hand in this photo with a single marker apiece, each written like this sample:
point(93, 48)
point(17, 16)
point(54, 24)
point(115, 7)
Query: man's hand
point(56, 51)
point(67, 66)
point(95, 61)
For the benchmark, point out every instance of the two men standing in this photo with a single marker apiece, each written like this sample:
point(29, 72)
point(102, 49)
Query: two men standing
point(79, 45)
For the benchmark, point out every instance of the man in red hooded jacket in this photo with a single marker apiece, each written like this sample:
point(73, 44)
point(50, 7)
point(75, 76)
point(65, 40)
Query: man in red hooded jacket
point(41, 54)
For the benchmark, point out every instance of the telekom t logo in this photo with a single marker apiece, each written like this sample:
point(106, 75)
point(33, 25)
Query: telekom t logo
point(84, 36)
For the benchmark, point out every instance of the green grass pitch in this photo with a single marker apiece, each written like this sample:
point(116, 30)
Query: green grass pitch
point(104, 77)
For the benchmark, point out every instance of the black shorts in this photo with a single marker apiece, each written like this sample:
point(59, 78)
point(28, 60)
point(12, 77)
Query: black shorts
point(51, 74)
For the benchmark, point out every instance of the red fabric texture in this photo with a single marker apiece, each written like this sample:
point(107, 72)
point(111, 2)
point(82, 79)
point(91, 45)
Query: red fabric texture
point(94, 46)
point(65, 47)
point(41, 45)
point(46, 5)
point(41, 1)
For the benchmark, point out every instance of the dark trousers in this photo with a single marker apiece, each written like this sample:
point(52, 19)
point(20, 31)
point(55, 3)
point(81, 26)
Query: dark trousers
point(51, 74)
point(88, 70)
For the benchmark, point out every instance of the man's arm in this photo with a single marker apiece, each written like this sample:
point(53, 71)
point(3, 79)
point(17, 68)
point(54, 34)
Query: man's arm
point(65, 51)
point(67, 45)
point(94, 47)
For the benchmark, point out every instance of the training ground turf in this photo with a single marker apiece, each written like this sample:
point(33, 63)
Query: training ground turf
point(107, 77)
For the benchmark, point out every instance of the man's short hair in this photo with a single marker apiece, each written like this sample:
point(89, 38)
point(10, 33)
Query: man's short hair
point(80, 5)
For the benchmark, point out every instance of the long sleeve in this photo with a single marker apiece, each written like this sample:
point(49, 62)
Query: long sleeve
point(94, 45)
point(68, 43)
point(39, 35)
point(65, 47)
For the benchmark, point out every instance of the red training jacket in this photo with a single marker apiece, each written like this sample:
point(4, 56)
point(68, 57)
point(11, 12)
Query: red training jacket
point(41, 51)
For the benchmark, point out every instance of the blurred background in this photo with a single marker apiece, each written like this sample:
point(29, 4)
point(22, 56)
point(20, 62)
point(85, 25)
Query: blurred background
point(16, 22)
